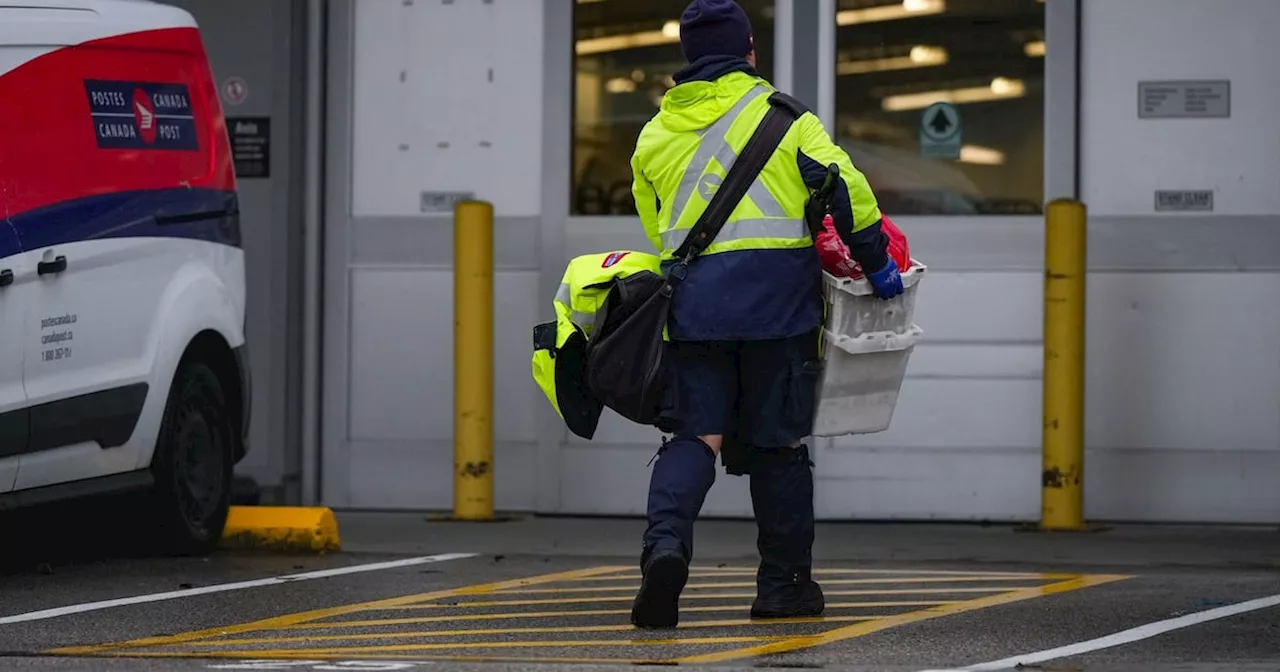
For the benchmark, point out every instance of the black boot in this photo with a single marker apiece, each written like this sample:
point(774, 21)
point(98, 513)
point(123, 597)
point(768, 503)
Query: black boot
point(782, 497)
point(683, 474)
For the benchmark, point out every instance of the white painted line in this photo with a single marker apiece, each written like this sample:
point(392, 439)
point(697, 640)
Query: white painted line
point(1123, 637)
point(224, 587)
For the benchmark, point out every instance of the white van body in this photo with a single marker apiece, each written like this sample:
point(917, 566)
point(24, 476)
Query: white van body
point(122, 292)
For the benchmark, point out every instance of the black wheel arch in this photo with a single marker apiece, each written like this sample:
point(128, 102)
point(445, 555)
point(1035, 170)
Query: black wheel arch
point(231, 365)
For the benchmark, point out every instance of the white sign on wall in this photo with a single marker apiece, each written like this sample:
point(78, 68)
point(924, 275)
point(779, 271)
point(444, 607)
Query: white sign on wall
point(1184, 200)
point(1184, 99)
point(442, 201)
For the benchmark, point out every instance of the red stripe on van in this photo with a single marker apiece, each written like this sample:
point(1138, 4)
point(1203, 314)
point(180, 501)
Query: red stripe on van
point(49, 144)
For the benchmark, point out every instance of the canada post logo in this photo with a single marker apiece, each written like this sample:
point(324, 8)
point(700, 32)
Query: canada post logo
point(141, 115)
point(613, 258)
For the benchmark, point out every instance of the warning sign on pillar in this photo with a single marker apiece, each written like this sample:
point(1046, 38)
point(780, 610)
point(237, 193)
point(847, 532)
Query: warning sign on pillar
point(235, 90)
point(940, 131)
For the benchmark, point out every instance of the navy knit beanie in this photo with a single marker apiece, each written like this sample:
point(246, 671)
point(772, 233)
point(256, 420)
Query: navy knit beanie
point(714, 28)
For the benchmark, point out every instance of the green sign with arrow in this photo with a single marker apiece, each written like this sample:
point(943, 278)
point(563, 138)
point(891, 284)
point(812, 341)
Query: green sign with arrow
point(940, 131)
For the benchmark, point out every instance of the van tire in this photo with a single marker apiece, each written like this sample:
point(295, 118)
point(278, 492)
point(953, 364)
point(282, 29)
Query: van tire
point(193, 463)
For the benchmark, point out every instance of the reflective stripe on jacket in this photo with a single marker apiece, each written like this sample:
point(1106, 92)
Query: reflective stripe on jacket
point(760, 278)
point(559, 347)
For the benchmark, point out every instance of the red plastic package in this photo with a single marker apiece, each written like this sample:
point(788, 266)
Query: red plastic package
point(835, 254)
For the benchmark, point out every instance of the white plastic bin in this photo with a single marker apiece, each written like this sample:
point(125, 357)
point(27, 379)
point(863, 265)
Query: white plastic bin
point(852, 309)
point(861, 380)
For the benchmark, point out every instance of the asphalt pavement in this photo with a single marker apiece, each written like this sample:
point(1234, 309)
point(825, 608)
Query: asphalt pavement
point(539, 593)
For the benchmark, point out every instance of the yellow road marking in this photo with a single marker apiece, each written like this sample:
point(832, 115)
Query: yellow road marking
point(752, 584)
point(289, 655)
point(715, 573)
point(866, 628)
point(329, 612)
point(715, 596)
point(501, 616)
point(723, 623)
point(756, 645)
point(867, 570)
point(526, 659)
point(346, 651)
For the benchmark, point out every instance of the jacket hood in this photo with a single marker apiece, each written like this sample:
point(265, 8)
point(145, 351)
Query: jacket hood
point(698, 101)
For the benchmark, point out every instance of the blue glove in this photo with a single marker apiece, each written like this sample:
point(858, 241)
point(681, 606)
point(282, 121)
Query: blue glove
point(886, 282)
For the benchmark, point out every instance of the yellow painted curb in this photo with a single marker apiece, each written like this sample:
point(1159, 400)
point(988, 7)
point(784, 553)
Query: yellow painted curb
point(282, 528)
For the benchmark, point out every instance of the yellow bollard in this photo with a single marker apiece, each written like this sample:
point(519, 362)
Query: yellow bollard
point(1066, 236)
point(473, 360)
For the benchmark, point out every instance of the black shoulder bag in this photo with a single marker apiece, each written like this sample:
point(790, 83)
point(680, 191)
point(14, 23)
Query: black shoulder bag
point(627, 365)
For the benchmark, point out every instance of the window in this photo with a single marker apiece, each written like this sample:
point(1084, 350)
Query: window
point(979, 152)
point(626, 53)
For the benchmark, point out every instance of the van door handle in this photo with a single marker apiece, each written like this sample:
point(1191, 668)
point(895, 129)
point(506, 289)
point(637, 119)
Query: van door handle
point(56, 266)
point(6, 278)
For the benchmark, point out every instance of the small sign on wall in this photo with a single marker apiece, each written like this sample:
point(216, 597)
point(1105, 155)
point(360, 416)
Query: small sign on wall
point(235, 90)
point(441, 201)
point(940, 131)
point(250, 145)
point(1180, 200)
point(1184, 99)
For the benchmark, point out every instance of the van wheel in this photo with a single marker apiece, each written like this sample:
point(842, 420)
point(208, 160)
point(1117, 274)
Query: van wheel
point(193, 463)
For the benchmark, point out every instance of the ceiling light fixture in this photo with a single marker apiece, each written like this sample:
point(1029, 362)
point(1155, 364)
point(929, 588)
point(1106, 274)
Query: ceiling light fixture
point(620, 85)
point(1001, 88)
point(903, 10)
point(982, 156)
point(647, 38)
point(921, 56)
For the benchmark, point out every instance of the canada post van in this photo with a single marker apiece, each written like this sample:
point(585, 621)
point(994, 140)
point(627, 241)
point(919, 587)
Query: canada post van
point(122, 297)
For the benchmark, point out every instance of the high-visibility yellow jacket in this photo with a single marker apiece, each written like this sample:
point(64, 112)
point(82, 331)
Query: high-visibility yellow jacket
point(760, 278)
point(559, 355)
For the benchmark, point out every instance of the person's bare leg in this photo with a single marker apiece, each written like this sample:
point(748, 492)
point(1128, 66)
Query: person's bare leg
point(705, 384)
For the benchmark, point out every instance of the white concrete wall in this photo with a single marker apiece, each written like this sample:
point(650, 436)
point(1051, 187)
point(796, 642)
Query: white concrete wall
point(1184, 358)
point(434, 88)
point(434, 108)
point(1125, 158)
point(965, 438)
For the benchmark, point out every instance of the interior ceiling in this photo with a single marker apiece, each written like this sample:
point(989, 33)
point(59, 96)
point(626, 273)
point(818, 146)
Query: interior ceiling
point(983, 39)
